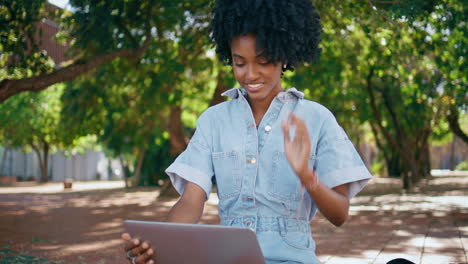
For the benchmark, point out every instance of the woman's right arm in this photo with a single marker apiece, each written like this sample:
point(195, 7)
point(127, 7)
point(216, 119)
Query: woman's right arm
point(188, 209)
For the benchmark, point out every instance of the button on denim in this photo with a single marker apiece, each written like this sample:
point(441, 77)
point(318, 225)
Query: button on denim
point(256, 186)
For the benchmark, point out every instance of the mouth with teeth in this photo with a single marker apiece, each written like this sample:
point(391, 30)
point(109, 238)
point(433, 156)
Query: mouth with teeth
point(254, 86)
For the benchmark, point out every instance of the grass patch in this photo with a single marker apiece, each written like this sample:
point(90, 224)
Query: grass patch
point(8, 256)
point(24, 259)
point(38, 239)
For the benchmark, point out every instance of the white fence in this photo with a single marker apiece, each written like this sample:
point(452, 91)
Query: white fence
point(81, 167)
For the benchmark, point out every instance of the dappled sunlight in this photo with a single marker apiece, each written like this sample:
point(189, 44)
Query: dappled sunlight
point(414, 226)
point(361, 208)
point(17, 213)
point(57, 187)
point(91, 246)
point(105, 232)
point(379, 228)
point(167, 204)
point(440, 259)
point(148, 213)
point(459, 201)
point(132, 198)
point(385, 257)
point(106, 225)
point(370, 254)
point(402, 233)
point(49, 247)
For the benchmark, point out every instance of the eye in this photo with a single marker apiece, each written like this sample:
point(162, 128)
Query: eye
point(264, 61)
point(239, 64)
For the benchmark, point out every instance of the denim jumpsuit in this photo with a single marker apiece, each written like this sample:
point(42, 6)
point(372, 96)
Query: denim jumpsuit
point(256, 186)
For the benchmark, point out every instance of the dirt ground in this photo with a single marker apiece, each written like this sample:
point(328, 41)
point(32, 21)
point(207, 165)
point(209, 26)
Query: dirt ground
point(83, 226)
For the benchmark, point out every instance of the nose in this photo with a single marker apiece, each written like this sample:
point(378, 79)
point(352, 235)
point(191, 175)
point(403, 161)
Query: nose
point(252, 73)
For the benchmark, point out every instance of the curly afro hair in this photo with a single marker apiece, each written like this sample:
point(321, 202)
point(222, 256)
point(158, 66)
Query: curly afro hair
point(286, 31)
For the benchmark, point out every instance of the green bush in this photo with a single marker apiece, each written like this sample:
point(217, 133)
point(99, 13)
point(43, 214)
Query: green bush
point(377, 168)
point(462, 165)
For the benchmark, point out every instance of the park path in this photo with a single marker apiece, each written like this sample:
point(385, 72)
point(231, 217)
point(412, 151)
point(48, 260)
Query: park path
point(83, 226)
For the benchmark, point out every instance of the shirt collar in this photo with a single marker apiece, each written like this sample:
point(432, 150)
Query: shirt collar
point(283, 96)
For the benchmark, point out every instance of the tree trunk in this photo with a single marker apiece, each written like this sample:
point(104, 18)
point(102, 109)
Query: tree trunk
point(426, 160)
point(220, 88)
point(177, 136)
point(406, 180)
point(394, 168)
point(141, 157)
point(43, 159)
point(45, 173)
point(124, 171)
point(411, 150)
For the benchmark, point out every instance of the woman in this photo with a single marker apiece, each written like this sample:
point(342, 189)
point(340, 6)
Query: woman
point(275, 156)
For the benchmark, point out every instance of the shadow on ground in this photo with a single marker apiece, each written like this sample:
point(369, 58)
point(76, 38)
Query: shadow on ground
point(84, 227)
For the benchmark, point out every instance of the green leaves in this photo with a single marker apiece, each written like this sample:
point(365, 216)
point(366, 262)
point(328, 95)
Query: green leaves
point(412, 54)
point(32, 118)
point(401, 52)
point(19, 38)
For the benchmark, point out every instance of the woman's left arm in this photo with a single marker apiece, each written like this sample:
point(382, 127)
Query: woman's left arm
point(332, 203)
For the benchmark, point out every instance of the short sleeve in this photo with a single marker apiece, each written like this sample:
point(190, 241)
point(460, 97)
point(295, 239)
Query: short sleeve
point(194, 164)
point(337, 160)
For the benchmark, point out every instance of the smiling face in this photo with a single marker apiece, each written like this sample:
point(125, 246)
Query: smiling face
point(255, 73)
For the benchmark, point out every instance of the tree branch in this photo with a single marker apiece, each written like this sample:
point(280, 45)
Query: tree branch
point(380, 14)
point(393, 142)
point(452, 119)
point(126, 31)
point(378, 142)
point(399, 130)
point(10, 87)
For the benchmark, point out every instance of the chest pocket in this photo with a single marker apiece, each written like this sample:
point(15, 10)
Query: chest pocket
point(284, 183)
point(227, 173)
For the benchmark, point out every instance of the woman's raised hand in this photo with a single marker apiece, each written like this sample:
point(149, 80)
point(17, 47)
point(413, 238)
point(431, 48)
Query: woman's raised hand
point(137, 252)
point(297, 148)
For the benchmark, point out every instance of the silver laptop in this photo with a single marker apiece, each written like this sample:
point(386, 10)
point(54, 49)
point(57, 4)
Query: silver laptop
point(198, 244)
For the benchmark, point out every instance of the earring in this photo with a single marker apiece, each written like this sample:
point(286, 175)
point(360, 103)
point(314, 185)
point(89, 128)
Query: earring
point(284, 69)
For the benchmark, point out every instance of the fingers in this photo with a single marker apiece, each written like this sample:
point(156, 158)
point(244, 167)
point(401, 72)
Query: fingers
point(285, 128)
point(132, 244)
point(299, 126)
point(126, 237)
point(145, 257)
point(298, 122)
point(140, 249)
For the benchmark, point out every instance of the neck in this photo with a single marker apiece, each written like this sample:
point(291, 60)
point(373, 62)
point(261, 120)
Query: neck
point(259, 107)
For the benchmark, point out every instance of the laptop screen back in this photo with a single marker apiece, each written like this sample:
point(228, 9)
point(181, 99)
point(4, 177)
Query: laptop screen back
point(198, 244)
